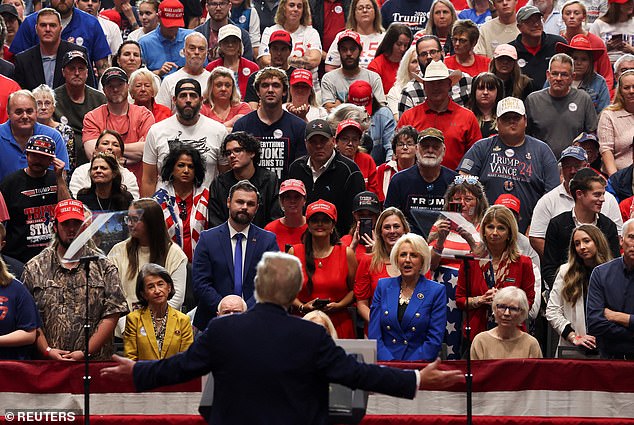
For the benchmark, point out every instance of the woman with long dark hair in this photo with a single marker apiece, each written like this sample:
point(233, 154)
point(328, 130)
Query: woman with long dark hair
point(389, 54)
point(504, 65)
point(616, 28)
point(442, 16)
point(106, 193)
point(486, 91)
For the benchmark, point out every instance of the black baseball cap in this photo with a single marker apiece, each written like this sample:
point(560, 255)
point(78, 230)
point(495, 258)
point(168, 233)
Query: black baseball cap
point(72, 55)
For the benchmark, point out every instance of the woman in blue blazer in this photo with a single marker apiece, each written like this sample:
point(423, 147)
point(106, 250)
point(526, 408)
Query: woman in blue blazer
point(408, 314)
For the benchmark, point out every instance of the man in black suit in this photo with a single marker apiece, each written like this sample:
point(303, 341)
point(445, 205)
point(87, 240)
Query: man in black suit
point(42, 63)
point(278, 370)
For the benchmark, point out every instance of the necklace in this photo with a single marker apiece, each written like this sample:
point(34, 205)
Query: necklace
point(159, 329)
point(402, 299)
point(101, 206)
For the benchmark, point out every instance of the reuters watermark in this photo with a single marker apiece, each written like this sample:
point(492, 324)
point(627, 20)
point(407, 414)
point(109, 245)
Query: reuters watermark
point(41, 415)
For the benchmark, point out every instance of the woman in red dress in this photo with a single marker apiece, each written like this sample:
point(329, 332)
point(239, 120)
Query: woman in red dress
point(328, 269)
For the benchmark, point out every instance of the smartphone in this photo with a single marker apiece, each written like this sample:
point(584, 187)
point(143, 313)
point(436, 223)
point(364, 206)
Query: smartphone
point(365, 228)
point(617, 38)
point(455, 207)
point(320, 303)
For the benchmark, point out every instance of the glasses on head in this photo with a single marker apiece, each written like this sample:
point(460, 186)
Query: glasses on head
point(460, 179)
point(430, 53)
point(366, 7)
point(405, 144)
point(235, 151)
point(131, 220)
point(217, 5)
point(503, 307)
point(182, 210)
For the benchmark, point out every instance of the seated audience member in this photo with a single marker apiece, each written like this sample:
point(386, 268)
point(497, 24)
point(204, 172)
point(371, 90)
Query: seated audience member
point(609, 302)
point(162, 48)
point(585, 77)
point(143, 90)
point(243, 153)
point(156, 330)
point(560, 199)
point(149, 242)
point(194, 50)
point(566, 310)
point(306, 44)
point(588, 191)
point(413, 327)
point(442, 16)
point(222, 98)
point(328, 268)
point(500, 173)
point(231, 304)
point(106, 192)
point(20, 318)
point(148, 14)
point(382, 124)
point(108, 142)
point(289, 228)
point(551, 116)
point(335, 84)
point(616, 127)
point(533, 45)
point(404, 156)
point(348, 138)
point(364, 18)
point(479, 11)
point(408, 70)
point(230, 52)
point(616, 20)
point(61, 336)
point(499, 30)
point(423, 185)
point(507, 341)
point(365, 207)
point(464, 37)
point(389, 54)
point(390, 226)
point(505, 66)
point(128, 57)
point(302, 101)
point(507, 267)
point(486, 92)
point(183, 198)
point(321, 318)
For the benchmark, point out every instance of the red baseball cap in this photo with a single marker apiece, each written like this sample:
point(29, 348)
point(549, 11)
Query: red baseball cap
point(293, 185)
point(112, 15)
point(282, 37)
point(171, 13)
point(360, 93)
point(354, 36)
point(321, 206)
point(509, 201)
point(302, 76)
point(348, 123)
point(69, 209)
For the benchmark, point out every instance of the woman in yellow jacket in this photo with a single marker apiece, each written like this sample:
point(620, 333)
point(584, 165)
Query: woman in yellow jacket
point(157, 330)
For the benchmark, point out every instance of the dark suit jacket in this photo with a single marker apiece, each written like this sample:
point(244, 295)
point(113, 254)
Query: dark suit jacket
point(7, 69)
point(212, 268)
point(29, 72)
point(271, 368)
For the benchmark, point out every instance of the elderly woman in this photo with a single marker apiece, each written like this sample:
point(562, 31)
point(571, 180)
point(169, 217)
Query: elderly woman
point(183, 198)
point(390, 226)
point(507, 340)
point(143, 90)
point(290, 228)
point(504, 65)
point(45, 102)
point(389, 54)
point(506, 267)
point(364, 19)
point(328, 268)
point(486, 92)
point(222, 98)
point(322, 319)
point(616, 127)
point(566, 307)
point(106, 192)
point(348, 137)
point(294, 17)
point(464, 37)
point(230, 52)
point(408, 70)
point(156, 330)
point(404, 156)
point(408, 314)
point(303, 102)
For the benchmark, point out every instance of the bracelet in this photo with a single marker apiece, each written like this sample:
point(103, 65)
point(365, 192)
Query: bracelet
point(301, 308)
point(48, 351)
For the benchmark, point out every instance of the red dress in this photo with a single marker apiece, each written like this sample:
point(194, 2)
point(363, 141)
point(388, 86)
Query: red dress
point(365, 280)
point(329, 281)
point(284, 234)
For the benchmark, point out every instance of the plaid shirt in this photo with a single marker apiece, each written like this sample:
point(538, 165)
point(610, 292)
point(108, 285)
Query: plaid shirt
point(413, 93)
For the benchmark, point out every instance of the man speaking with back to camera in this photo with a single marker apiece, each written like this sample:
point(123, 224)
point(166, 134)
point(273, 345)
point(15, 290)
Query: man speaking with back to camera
point(280, 366)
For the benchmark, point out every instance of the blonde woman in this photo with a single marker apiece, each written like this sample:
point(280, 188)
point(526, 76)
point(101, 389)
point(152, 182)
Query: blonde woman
point(222, 98)
point(408, 70)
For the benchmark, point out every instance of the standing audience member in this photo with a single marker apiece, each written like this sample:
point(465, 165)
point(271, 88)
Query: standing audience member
point(244, 15)
point(552, 18)
point(143, 89)
point(479, 12)
point(348, 138)
point(365, 206)
point(505, 66)
point(106, 192)
point(110, 28)
point(329, 18)
point(464, 37)
point(389, 54)
point(499, 30)
point(618, 19)
point(222, 98)
point(303, 100)
point(404, 145)
point(487, 91)
point(128, 57)
point(442, 16)
point(413, 328)
point(148, 14)
point(408, 70)
point(289, 229)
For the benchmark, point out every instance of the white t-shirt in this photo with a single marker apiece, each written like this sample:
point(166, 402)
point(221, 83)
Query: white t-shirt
point(81, 180)
point(370, 43)
point(605, 31)
point(206, 136)
point(112, 33)
point(137, 34)
point(166, 91)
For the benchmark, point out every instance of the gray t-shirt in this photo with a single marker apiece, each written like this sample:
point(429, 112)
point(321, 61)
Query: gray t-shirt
point(335, 85)
point(558, 120)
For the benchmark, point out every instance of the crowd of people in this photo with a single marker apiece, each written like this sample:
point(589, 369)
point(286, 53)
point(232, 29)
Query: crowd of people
point(454, 179)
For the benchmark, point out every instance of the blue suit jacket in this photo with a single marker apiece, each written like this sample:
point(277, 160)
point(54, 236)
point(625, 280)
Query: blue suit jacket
point(420, 334)
point(284, 382)
point(212, 268)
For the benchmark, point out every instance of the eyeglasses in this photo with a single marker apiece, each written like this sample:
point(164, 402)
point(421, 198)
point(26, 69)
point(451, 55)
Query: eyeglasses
point(457, 40)
point(557, 74)
point(131, 220)
point(215, 5)
point(349, 140)
point(405, 144)
point(182, 210)
point(235, 151)
point(430, 53)
point(460, 179)
point(46, 103)
point(503, 307)
point(366, 7)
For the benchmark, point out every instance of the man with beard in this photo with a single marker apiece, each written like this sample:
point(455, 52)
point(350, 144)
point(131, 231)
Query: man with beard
point(459, 126)
point(422, 186)
point(195, 52)
point(131, 121)
point(513, 162)
point(335, 84)
point(31, 195)
point(59, 289)
point(428, 49)
point(187, 126)
point(226, 256)
point(219, 15)
point(79, 27)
